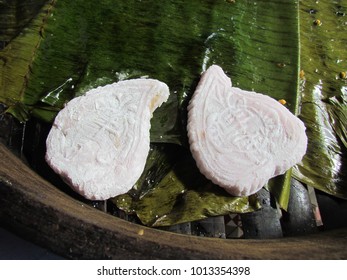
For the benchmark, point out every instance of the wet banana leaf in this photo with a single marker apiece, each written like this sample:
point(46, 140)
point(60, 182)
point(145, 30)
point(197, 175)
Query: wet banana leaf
point(73, 46)
point(324, 96)
point(16, 59)
point(86, 44)
point(182, 194)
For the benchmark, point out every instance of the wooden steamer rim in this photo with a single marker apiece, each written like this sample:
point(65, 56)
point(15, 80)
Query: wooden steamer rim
point(38, 211)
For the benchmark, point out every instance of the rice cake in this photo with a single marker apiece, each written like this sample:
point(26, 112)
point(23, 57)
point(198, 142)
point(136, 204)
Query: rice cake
point(99, 142)
point(240, 139)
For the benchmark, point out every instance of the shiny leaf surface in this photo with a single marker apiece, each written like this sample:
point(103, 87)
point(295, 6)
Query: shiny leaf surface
point(324, 96)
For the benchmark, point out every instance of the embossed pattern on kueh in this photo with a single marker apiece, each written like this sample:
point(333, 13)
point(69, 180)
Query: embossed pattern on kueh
point(240, 139)
point(100, 141)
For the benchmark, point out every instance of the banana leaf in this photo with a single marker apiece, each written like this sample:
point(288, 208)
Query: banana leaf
point(14, 15)
point(324, 96)
point(16, 60)
point(182, 194)
point(73, 46)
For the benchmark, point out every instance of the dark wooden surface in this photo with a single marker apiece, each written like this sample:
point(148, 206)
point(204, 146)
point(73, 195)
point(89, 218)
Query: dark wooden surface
point(38, 211)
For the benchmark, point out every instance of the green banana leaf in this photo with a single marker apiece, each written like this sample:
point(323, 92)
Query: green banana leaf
point(182, 194)
point(14, 15)
point(73, 46)
point(16, 59)
point(324, 96)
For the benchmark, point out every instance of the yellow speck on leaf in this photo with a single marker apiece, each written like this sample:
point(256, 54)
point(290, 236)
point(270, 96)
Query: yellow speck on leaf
point(302, 74)
point(282, 101)
point(343, 75)
point(317, 22)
